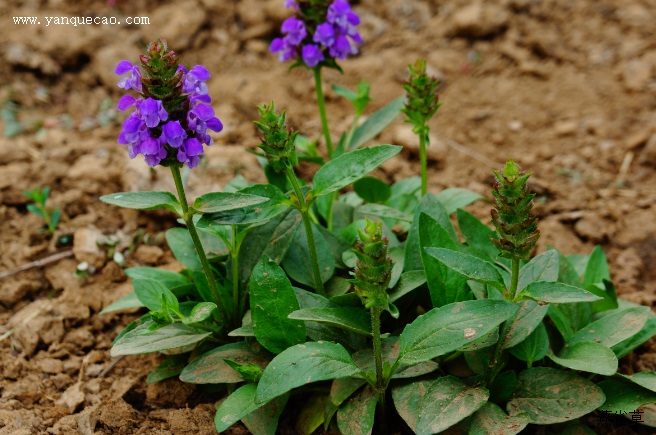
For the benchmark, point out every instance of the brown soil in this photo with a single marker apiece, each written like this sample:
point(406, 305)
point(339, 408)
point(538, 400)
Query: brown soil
point(567, 89)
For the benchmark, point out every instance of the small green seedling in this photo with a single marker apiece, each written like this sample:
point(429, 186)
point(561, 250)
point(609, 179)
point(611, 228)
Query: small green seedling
point(40, 196)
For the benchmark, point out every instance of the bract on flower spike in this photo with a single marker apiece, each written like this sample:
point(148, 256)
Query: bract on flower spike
point(422, 100)
point(171, 117)
point(277, 141)
point(517, 228)
point(373, 269)
point(319, 33)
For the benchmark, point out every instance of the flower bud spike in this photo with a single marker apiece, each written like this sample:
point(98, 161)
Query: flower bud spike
point(278, 143)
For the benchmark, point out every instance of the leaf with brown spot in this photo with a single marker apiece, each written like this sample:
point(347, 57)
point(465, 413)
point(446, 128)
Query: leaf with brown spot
point(211, 368)
point(614, 327)
point(356, 416)
point(491, 420)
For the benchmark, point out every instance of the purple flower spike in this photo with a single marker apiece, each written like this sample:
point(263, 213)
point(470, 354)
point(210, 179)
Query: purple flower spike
point(132, 82)
point(312, 55)
point(294, 29)
point(173, 134)
point(194, 81)
point(325, 34)
point(152, 112)
point(338, 13)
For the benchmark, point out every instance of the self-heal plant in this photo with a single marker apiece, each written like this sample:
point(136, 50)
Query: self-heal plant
point(420, 106)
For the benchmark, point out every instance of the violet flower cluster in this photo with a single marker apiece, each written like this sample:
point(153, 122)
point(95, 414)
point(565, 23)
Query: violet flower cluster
point(175, 133)
point(333, 36)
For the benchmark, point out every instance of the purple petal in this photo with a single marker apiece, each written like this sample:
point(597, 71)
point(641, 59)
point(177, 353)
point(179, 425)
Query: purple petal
point(276, 45)
point(123, 67)
point(193, 161)
point(200, 72)
point(150, 146)
point(204, 112)
point(215, 124)
point(125, 102)
point(193, 147)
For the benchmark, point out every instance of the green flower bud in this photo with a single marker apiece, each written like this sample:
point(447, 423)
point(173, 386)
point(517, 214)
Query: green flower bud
point(277, 141)
point(373, 269)
point(422, 100)
point(517, 228)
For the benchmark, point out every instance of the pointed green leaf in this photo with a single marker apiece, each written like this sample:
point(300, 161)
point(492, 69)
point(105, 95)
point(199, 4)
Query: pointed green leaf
point(173, 336)
point(644, 379)
point(166, 277)
point(376, 123)
point(356, 415)
point(443, 330)
point(276, 203)
point(215, 202)
point(272, 300)
point(200, 312)
point(372, 190)
point(297, 261)
point(407, 399)
point(237, 406)
point(184, 250)
point(125, 303)
point(150, 293)
point(613, 328)
point(264, 420)
point(341, 389)
point(477, 234)
point(491, 420)
point(534, 347)
point(624, 396)
point(211, 368)
point(556, 292)
point(347, 168)
point(597, 269)
point(626, 346)
point(352, 319)
point(447, 402)
point(383, 211)
point(444, 284)
point(144, 200)
point(528, 318)
point(543, 267)
point(551, 396)
point(472, 267)
point(588, 356)
point(454, 198)
point(408, 281)
point(303, 364)
point(312, 414)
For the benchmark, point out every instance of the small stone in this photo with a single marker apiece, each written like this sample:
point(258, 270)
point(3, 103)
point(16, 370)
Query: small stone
point(564, 128)
point(50, 365)
point(86, 249)
point(479, 20)
point(636, 74)
point(591, 228)
point(515, 125)
point(148, 254)
point(72, 397)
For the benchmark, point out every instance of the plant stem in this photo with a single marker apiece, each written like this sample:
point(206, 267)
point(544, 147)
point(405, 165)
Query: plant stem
point(322, 111)
point(378, 357)
point(234, 254)
point(422, 157)
point(494, 367)
point(188, 218)
point(307, 223)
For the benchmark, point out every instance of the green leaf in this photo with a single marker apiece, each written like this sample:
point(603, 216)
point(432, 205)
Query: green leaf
point(200, 312)
point(33, 208)
point(173, 336)
point(624, 396)
point(211, 368)
point(556, 292)
point(125, 303)
point(491, 420)
point(264, 420)
point(408, 282)
point(613, 328)
point(560, 320)
point(607, 294)
point(597, 269)
point(321, 331)
point(543, 267)
point(356, 416)
point(144, 200)
point(347, 168)
point(344, 92)
point(503, 387)
point(166, 277)
point(644, 379)
point(303, 364)
point(528, 318)
point(445, 285)
point(534, 347)
point(383, 211)
point(477, 234)
point(312, 414)
point(454, 198)
point(352, 319)
point(443, 330)
point(150, 293)
point(587, 356)
point(407, 399)
point(376, 123)
point(275, 204)
point(184, 250)
point(215, 202)
point(341, 389)
point(372, 190)
point(432, 207)
point(272, 300)
point(237, 406)
point(472, 267)
point(551, 396)
point(272, 239)
point(625, 347)
point(297, 262)
point(169, 368)
point(447, 402)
